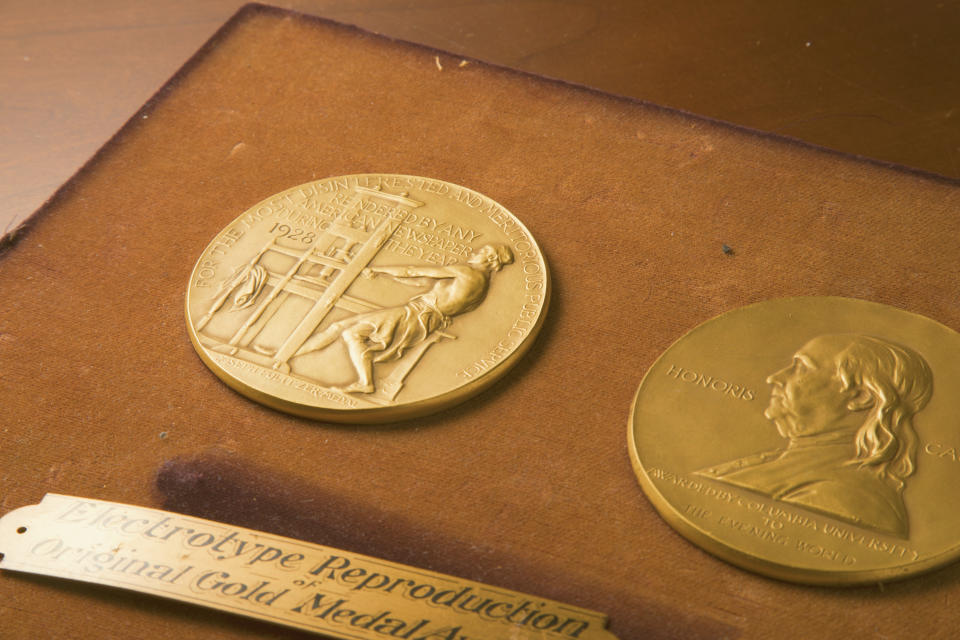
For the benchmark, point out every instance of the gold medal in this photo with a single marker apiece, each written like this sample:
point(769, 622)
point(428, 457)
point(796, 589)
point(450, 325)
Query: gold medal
point(808, 439)
point(367, 298)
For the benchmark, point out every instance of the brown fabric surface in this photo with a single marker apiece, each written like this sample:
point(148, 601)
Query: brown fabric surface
point(527, 486)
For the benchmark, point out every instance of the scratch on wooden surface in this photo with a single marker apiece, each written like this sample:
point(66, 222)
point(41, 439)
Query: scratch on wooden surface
point(237, 148)
point(53, 473)
point(728, 616)
point(22, 610)
point(436, 59)
point(758, 601)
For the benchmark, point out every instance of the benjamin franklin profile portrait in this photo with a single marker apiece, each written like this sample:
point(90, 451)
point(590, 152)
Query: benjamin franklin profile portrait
point(845, 405)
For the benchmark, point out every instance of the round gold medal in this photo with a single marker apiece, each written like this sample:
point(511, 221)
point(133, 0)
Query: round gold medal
point(808, 439)
point(367, 298)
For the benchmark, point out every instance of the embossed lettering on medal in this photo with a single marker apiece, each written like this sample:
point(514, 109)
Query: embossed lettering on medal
point(367, 298)
point(798, 438)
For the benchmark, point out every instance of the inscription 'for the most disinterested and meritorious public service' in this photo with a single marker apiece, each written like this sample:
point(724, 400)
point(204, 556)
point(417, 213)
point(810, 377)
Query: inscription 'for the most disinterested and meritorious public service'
point(367, 298)
point(831, 474)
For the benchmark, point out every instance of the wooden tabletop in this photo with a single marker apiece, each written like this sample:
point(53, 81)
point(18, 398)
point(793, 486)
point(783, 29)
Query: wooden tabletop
point(879, 79)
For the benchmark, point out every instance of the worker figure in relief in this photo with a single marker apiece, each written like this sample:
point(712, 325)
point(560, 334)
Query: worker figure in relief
point(382, 335)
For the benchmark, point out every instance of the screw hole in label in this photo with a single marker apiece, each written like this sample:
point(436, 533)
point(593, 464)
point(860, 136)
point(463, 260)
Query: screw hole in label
point(22, 530)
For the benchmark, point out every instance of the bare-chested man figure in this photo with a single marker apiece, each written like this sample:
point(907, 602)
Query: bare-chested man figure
point(382, 335)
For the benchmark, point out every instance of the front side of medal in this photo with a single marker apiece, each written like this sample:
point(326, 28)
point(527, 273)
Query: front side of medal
point(808, 439)
point(367, 298)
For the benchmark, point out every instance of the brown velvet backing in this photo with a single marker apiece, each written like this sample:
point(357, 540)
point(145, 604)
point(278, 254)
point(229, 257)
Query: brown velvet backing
point(527, 486)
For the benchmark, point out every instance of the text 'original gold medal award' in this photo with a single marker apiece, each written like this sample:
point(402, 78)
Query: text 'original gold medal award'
point(334, 593)
point(367, 298)
point(808, 439)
